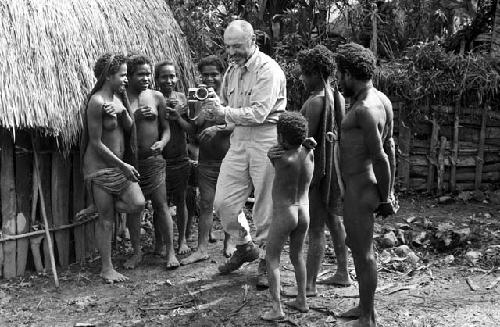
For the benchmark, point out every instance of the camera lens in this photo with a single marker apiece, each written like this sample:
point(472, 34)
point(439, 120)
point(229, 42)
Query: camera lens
point(201, 93)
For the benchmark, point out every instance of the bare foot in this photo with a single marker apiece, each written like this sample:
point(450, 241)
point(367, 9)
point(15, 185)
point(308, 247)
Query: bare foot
point(359, 323)
point(297, 306)
point(111, 276)
point(183, 249)
point(91, 209)
point(292, 292)
point(133, 261)
point(351, 313)
point(273, 315)
point(172, 262)
point(337, 280)
point(195, 257)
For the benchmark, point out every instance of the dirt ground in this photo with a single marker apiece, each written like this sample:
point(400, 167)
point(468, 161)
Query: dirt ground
point(435, 290)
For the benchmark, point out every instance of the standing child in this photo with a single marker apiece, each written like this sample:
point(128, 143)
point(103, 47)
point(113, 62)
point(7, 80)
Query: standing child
point(293, 174)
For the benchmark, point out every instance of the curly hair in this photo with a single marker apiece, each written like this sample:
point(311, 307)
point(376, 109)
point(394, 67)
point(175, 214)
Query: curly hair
point(317, 60)
point(134, 61)
point(293, 127)
point(101, 64)
point(356, 59)
point(163, 64)
point(212, 60)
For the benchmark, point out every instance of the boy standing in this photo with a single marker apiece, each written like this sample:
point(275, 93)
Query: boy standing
point(293, 175)
point(214, 143)
point(175, 152)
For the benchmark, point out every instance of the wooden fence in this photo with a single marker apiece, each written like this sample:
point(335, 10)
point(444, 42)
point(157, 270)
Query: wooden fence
point(451, 149)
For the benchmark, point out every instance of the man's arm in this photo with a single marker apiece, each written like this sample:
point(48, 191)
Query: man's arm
point(126, 116)
point(162, 116)
point(94, 120)
point(265, 93)
point(312, 112)
point(390, 150)
point(366, 119)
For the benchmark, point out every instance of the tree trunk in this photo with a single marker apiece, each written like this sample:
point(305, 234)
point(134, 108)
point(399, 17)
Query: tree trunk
point(495, 33)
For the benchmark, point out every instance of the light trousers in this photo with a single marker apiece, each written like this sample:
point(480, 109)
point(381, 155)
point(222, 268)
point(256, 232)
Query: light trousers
point(246, 164)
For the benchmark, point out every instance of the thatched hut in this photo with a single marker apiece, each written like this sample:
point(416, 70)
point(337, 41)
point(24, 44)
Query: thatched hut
point(47, 52)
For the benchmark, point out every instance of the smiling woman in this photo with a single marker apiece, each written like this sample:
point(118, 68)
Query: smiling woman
point(47, 50)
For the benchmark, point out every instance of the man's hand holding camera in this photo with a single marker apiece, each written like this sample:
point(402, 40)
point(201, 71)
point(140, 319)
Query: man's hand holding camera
point(213, 109)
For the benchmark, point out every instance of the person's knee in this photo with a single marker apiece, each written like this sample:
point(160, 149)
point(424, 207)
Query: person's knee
point(160, 208)
point(206, 205)
point(138, 204)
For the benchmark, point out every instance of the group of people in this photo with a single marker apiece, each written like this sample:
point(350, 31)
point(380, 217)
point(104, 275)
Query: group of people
point(306, 169)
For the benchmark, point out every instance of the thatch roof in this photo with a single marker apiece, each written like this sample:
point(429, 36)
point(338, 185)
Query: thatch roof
point(48, 49)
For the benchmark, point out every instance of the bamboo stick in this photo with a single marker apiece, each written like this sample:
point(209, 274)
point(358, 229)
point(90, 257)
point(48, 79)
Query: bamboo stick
point(480, 152)
point(45, 220)
point(456, 126)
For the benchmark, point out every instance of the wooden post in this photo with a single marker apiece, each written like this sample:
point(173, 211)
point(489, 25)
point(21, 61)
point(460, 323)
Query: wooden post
point(404, 146)
point(1, 260)
point(480, 150)
point(60, 204)
point(8, 198)
point(78, 204)
point(454, 158)
point(432, 158)
point(441, 165)
point(24, 189)
point(45, 180)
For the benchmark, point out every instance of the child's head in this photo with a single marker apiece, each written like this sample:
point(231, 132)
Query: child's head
point(211, 69)
point(292, 128)
point(166, 76)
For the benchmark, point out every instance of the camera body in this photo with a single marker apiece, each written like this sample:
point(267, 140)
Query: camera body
point(196, 95)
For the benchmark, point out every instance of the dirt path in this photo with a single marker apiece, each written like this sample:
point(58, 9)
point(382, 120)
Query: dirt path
point(432, 293)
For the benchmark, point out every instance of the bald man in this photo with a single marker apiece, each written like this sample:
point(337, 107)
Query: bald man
point(252, 97)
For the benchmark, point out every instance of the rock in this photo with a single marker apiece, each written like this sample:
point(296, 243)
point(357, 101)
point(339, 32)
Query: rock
point(473, 257)
point(402, 250)
point(413, 258)
point(400, 235)
point(143, 231)
point(465, 196)
point(478, 196)
point(487, 215)
point(411, 219)
point(494, 197)
point(389, 240)
point(445, 199)
point(418, 238)
point(449, 259)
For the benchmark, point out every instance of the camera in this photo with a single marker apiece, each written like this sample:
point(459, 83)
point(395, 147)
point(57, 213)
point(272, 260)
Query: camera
point(196, 95)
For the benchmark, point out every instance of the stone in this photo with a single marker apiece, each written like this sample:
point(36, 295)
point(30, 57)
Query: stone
point(389, 240)
point(445, 199)
point(402, 250)
point(449, 259)
point(473, 257)
point(478, 196)
point(413, 258)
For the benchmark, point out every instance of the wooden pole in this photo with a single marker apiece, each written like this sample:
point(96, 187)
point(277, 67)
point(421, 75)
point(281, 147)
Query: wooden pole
point(60, 204)
point(432, 158)
point(79, 191)
point(404, 146)
point(441, 167)
point(45, 220)
point(8, 198)
point(454, 158)
point(480, 151)
point(24, 189)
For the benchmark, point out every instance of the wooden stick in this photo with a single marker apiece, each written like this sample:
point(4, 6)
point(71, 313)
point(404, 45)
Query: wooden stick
point(454, 158)
point(480, 152)
point(432, 158)
point(39, 232)
point(441, 165)
point(45, 220)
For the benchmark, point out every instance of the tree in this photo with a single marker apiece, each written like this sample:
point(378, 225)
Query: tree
point(495, 33)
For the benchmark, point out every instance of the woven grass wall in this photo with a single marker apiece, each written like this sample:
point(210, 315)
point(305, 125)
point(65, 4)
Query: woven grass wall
point(48, 49)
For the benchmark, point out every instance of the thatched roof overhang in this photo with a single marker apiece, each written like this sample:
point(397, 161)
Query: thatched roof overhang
point(48, 49)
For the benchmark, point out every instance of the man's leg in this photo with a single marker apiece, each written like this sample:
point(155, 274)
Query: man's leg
point(262, 174)
point(104, 203)
point(361, 200)
point(134, 200)
point(164, 224)
point(182, 214)
point(337, 231)
point(230, 195)
point(207, 180)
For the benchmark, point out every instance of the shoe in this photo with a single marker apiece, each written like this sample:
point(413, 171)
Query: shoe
point(244, 253)
point(262, 281)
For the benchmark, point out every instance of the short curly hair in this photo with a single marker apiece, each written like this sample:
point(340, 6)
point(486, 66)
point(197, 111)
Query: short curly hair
point(356, 59)
point(163, 64)
point(136, 60)
point(212, 60)
point(117, 60)
point(293, 127)
point(317, 60)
